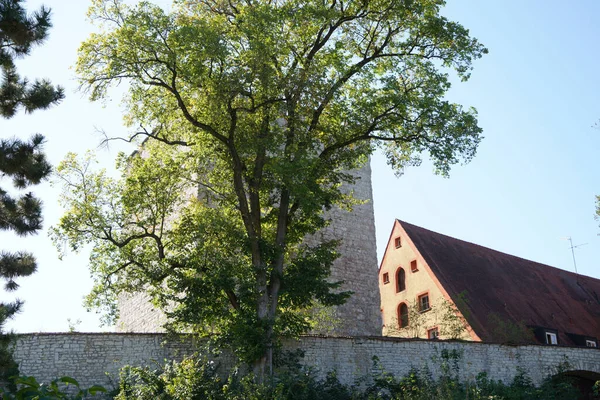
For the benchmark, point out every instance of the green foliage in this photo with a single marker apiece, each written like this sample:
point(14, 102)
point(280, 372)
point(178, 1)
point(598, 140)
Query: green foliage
point(264, 106)
point(522, 388)
point(196, 378)
point(200, 254)
point(73, 325)
point(26, 164)
point(417, 321)
point(8, 366)
point(22, 161)
point(191, 379)
point(19, 33)
point(65, 388)
point(455, 316)
point(420, 384)
point(443, 314)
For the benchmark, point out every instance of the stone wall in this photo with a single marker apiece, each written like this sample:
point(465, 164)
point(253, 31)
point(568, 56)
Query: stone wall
point(87, 357)
point(93, 358)
point(357, 264)
point(136, 314)
point(353, 357)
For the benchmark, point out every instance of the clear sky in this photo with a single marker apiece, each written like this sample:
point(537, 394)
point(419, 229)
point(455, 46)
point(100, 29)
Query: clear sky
point(531, 184)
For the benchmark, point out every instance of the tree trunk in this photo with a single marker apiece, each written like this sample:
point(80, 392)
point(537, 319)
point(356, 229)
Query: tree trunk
point(259, 368)
point(263, 367)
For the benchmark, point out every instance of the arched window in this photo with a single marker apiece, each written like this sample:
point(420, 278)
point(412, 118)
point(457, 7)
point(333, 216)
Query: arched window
point(402, 315)
point(400, 280)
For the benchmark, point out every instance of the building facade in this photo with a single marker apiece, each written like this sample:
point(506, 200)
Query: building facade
point(413, 302)
point(435, 286)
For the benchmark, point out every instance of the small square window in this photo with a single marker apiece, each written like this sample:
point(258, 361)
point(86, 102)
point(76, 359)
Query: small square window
point(398, 242)
point(591, 343)
point(413, 266)
point(424, 302)
point(386, 278)
point(433, 333)
point(551, 338)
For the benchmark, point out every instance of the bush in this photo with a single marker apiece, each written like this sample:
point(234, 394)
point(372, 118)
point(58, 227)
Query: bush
point(197, 378)
point(193, 378)
point(65, 388)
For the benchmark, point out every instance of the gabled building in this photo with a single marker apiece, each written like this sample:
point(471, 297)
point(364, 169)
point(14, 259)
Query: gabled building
point(429, 281)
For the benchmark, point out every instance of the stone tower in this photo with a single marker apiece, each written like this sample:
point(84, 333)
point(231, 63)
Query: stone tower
point(357, 267)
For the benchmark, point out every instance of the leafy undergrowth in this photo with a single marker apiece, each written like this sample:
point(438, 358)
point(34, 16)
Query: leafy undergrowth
point(65, 388)
point(197, 378)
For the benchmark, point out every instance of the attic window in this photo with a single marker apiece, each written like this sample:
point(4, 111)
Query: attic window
point(551, 338)
point(413, 266)
point(423, 301)
point(398, 242)
point(591, 343)
point(386, 278)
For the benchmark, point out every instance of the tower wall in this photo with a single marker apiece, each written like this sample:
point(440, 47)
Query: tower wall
point(357, 267)
point(357, 264)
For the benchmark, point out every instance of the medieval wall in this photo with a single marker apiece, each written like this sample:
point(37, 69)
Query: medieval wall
point(93, 358)
point(357, 266)
point(87, 357)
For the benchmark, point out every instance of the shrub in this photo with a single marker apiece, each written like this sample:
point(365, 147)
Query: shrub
point(197, 378)
point(65, 388)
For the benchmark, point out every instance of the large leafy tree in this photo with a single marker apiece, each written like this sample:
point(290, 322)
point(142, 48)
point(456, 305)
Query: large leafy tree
point(20, 160)
point(264, 106)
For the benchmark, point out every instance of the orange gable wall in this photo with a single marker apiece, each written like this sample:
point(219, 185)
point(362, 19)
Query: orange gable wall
point(417, 283)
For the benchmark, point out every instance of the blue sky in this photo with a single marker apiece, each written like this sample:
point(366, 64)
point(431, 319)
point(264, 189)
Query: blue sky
point(535, 175)
point(531, 184)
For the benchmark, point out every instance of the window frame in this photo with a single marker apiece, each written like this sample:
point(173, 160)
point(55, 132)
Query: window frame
point(403, 280)
point(414, 267)
point(419, 302)
point(398, 242)
point(386, 278)
point(551, 338)
point(399, 312)
point(591, 343)
point(431, 330)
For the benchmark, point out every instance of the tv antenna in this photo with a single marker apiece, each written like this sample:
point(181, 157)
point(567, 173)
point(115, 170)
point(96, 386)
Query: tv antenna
point(573, 252)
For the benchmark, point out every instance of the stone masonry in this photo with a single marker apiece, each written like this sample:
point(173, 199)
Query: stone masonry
point(357, 266)
point(95, 358)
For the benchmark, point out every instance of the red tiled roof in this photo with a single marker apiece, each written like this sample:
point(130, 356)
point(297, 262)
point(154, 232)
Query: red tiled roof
point(511, 288)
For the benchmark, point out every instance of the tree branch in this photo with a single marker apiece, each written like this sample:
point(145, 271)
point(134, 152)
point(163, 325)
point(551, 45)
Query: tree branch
point(144, 132)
